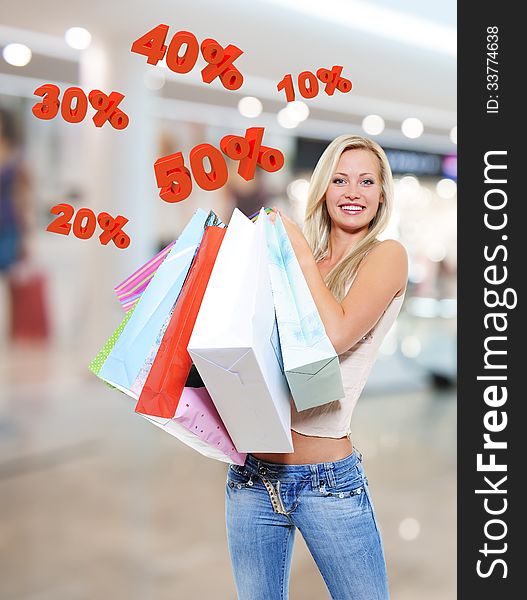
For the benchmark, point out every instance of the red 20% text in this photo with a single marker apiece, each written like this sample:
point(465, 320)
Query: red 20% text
point(220, 60)
point(308, 83)
point(85, 222)
point(75, 106)
point(174, 178)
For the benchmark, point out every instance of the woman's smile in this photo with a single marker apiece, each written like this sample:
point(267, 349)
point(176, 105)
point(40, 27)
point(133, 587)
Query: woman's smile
point(352, 208)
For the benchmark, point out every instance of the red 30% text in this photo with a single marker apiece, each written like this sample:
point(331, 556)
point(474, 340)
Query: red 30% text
point(75, 106)
point(85, 222)
point(220, 60)
point(308, 83)
point(174, 178)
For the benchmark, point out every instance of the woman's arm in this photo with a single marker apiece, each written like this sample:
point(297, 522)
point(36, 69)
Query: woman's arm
point(381, 276)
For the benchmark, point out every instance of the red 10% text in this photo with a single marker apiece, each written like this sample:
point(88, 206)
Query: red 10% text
point(85, 222)
point(308, 83)
point(152, 45)
point(75, 106)
point(174, 179)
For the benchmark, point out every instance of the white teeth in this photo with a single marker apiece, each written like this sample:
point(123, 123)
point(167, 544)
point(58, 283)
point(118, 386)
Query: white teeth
point(353, 208)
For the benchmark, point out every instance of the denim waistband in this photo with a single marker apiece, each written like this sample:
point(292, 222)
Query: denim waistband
point(285, 472)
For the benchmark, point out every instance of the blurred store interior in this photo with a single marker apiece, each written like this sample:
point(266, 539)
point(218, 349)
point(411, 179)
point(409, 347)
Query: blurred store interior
point(96, 502)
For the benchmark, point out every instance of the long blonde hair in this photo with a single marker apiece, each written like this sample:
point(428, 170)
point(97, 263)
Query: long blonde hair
point(317, 223)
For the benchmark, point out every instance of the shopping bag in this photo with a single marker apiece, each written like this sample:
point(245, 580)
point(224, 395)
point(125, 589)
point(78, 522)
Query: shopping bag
point(96, 364)
point(311, 364)
point(129, 291)
point(234, 344)
point(139, 382)
point(127, 357)
point(197, 424)
point(171, 366)
point(29, 318)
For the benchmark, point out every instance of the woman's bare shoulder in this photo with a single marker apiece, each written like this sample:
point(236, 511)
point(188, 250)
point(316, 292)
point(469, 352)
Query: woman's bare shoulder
point(389, 260)
point(392, 246)
point(388, 252)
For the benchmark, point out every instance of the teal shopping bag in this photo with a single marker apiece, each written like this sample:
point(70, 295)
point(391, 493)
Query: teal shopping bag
point(311, 365)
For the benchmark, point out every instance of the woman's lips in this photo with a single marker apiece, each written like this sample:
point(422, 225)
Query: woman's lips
point(352, 209)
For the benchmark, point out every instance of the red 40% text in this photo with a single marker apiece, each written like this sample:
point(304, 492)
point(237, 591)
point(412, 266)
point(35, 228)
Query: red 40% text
point(75, 106)
point(85, 222)
point(308, 83)
point(220, 60)
point(174, 179)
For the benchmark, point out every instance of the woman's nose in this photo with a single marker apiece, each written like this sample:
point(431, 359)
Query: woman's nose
point(352, 191)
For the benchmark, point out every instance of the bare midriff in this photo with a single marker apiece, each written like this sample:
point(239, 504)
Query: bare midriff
point(310, 449)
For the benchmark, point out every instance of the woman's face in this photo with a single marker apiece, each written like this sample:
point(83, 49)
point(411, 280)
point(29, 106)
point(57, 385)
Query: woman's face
point(354, 192)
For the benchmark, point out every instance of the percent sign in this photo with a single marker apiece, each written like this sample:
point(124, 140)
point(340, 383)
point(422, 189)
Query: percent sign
point(113, 230)
point(85, 222)
point(75, 106)
point(152, 45)
point(174, 178)
point(332, 78)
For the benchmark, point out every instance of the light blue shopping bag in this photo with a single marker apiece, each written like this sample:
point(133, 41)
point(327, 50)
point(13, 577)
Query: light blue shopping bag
point(311, 364)
point(139, 335)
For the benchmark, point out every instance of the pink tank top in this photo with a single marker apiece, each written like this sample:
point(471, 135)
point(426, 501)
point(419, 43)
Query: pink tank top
point(334, 419)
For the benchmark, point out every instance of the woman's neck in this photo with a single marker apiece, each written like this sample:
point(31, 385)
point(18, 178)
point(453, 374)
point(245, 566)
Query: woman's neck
point(341, 242)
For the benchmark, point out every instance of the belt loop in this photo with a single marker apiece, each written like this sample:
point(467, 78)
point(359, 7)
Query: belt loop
point(330, 474)
point(359, 454)
point(315, 480)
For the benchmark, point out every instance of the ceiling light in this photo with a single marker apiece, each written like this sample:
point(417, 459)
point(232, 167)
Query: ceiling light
point(409, 529)
point(286, 120)
point(17, 55)
point(154, 79)
point(436, 252)
point(411, 346)
point(408, 183)
point(78, 38)
point(373, 124)
point(446, 188)
point(412, 127)
point(298, 110)
point(297, 191)
point(250, 107)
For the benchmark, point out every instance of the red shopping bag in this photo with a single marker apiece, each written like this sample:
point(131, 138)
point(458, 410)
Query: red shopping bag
point(170, 369)
point(29, 314)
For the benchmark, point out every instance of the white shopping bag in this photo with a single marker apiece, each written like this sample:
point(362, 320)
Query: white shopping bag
point(235, 347)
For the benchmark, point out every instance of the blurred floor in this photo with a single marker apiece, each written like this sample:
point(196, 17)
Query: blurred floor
point(95, 503)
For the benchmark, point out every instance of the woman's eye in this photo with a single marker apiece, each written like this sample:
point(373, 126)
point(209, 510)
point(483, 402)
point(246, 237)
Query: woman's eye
point(368, 181)
point(338, 180)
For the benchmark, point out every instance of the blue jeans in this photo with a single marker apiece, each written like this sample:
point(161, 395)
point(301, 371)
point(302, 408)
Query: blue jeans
point(331, 506)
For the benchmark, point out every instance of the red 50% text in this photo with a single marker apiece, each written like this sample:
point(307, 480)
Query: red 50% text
point(332, 79)
point(174, 178)
point(220, 60)
point(75, 106)
point(85, 222)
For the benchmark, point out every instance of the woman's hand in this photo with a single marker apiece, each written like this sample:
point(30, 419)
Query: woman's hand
point(295, 235)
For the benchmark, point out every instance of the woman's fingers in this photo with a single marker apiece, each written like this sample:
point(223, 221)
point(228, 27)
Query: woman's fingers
point(273, 213)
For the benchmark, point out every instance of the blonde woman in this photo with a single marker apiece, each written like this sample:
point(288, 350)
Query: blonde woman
point(358, 284)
